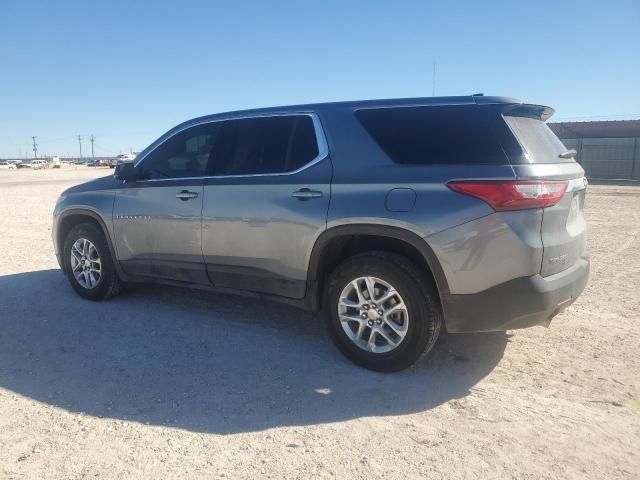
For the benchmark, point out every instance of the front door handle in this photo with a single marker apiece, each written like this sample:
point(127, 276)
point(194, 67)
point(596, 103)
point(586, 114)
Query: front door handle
point(306, 194)
point(185, 195)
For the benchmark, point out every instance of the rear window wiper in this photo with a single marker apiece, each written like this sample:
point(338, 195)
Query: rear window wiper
point(571, 153)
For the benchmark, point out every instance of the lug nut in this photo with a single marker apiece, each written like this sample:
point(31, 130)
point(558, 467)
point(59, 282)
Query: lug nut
point(370, 323)
point(365, 306)
point(364, 315)
point(379, 322)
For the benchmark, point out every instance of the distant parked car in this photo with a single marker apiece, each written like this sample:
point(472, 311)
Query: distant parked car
point(39, 164)
point(98, 163)
point(7, 166)
point(122, 158)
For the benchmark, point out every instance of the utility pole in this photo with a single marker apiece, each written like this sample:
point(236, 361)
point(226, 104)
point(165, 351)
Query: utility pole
point(92, 139)
point(433, 91)
point(35, 147)
point(80, 143)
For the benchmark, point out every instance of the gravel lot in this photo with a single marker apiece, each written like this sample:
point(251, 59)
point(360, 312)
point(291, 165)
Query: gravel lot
point(168, 383)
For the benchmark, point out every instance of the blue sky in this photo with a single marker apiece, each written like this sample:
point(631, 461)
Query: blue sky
point(126, 71)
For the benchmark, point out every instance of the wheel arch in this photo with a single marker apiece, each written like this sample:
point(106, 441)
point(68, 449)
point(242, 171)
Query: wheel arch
point(340, 242)
point(75, 216)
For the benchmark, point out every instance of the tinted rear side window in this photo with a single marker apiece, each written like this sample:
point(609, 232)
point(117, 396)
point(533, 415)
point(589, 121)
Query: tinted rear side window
point(276, 144)
point(540, 144)
point(434, 135)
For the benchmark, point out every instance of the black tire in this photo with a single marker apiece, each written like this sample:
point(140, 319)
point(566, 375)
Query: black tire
point(419, 295)
point(109, 283)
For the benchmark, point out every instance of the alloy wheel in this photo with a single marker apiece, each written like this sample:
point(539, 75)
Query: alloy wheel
point(373, 314)
point(85, 263)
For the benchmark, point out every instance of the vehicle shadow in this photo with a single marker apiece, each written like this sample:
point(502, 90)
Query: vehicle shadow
point(206, 362)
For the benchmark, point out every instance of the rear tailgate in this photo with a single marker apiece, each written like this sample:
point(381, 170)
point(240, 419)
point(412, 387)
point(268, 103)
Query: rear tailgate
point(545, 157)
point(563, 230)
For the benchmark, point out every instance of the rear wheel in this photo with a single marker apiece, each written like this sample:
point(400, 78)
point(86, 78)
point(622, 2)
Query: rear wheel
point(382, 312)
point(88, 264)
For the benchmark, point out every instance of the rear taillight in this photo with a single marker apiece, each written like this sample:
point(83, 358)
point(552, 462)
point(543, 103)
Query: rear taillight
point(513, 195)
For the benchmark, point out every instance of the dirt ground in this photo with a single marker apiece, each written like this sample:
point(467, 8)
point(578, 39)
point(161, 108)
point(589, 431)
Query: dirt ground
point(167, 383)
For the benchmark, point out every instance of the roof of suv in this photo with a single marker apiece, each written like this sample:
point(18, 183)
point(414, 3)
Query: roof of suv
point(478, 99)
point(389, 102)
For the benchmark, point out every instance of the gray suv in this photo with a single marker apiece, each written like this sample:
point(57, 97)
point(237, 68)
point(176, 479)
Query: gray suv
point(396, 218)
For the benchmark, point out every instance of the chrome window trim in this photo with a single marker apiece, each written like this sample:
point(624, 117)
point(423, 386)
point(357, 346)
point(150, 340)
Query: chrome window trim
point(321, 142)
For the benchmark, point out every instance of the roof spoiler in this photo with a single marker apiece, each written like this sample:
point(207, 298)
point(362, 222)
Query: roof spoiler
point(482, 99)
point(538, 112)
point(515, 107)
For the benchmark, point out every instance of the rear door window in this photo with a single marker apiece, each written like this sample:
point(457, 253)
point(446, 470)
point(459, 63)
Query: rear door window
point(540, 144)
point(263, 145)
point(434, 135)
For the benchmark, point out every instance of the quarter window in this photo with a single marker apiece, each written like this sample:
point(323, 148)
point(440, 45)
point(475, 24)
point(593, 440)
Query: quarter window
point(434, 135)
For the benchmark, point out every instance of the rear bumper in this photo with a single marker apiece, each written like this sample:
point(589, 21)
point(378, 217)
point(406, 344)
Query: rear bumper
point(519, 303)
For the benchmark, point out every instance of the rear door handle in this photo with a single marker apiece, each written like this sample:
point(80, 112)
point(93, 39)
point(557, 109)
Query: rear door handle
point(185, 195)
point(306, 194)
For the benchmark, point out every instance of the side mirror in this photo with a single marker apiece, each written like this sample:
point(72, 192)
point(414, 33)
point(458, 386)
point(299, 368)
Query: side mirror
point(126, 172)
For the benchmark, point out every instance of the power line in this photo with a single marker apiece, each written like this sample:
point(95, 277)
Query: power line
point(107, 149)
point(35, 147)
point(131, 134)
point(598, 117)
point(92, 139)
point(56, 140)
point(80, 143)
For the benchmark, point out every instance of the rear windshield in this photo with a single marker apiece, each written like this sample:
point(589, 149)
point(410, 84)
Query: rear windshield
point(540, 144)
point(434, 135)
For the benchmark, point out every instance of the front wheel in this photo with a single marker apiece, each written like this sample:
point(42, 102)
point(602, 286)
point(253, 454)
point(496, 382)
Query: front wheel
point(88, 264)
point(381, 311)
